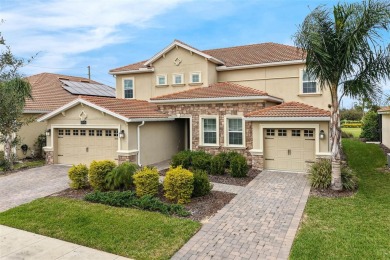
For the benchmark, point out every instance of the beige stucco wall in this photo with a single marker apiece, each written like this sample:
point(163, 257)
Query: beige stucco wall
point(386, 129)
point(160, 140)
point(143, 84)
point(258, 135)
point(280, 81)
point(29, 134)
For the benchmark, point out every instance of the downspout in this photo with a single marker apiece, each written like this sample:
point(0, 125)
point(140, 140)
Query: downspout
point(139, 143)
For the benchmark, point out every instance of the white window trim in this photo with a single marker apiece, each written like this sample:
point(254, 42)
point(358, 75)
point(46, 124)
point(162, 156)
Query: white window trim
point(200, 77)
point(201, 142)
point(166, 80)
point(123, 84)
point(318, 91)
point(226, 136)
point(173, 78)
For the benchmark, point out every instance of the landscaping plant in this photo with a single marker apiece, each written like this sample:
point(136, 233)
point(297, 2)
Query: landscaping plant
point(218, 164)
point(349, 178)
point(370, 128)
point(121, 177)
point(182, 158)
point(321, 174)
point(202, 185)
point(78, 174)
point(146, 181)
point(200, 160)
point(98, 171)
point(238, 166)
point(178, 185)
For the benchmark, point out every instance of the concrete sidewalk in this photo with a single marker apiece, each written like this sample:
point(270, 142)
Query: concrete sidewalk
point(19, 244)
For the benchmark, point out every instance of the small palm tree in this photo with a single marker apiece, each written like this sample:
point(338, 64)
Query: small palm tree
point(346, 53)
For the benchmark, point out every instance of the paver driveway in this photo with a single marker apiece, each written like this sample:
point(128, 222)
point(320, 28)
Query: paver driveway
point(28, 185)
point(259, 223)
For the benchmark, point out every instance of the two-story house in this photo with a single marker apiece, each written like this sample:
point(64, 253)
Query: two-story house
point(254, 99)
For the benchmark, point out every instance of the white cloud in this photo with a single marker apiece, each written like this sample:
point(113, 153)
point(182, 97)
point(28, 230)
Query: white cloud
point(61, 30)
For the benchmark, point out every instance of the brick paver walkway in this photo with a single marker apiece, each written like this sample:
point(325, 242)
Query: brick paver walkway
point(259, 223)
point(27, 185)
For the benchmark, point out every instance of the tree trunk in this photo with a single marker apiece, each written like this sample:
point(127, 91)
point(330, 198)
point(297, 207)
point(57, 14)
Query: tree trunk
point(8, 151)
point(335, 135)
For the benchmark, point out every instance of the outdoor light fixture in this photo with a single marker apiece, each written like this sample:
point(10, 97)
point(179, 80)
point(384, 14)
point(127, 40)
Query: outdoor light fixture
point(322, 134)
point(48, 132)
point(122, 134)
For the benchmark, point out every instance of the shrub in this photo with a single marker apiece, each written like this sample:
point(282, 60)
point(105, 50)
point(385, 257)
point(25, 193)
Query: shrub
point(238, 166)
point(218, 164)
point(178, 185)
point(200, 160)
point(348, 178)
point(321, 174)
point(352, 125)
point(146, 182)
point(121, 177)
point(202, 185)
point(78, 174)
point(130, 200)
point(98, 172)
point(351, 114)
point(182, 158)
point(346, 135)
point(370, 128)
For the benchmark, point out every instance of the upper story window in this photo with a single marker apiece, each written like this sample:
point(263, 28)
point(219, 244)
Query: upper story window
point(196, 77)
point(161, 80)
point(128, 87)
point(309, 83)
point(209, 131)
point(235, 131)
point(178, 79)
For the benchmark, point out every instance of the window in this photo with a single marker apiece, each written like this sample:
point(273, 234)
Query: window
point(128, 86)
point(91, 132)
point(108, 133)
point(60, 132)
point(99, 132)
point(209, 130)
point(67, 132)
point(308, 133)
point(235, 135)
point(270, 132)
point(75, 132)
point(309, 84)
point(282, 132)
point(82, 132)
point(195, 77)
point(178, 79)
point(161, 80)
point(295, 132)
point(116, 133)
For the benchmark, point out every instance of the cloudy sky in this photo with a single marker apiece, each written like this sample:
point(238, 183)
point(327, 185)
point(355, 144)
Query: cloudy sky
point(70, 35)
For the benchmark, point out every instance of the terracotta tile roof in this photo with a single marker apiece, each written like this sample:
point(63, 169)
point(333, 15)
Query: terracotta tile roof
point(241, 55)
point(290, 109)
point(129, 108)
point(384, 109)
point(48, 93)
point(216, 90)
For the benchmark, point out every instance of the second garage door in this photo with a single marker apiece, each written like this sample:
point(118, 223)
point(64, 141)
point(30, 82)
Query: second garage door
point(76, 146)
point(288, 149)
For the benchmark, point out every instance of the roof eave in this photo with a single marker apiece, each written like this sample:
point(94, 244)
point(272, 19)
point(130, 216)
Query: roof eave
point(156, 119)
point(385, 112)
point(142, 70)
point(36, 111)
point(260, 65)
point(285, 119)
point(192, 100)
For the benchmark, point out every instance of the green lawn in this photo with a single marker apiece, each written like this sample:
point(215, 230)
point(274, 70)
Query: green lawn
point(127, 232)
point(27, 164)
point(357, 227)
point(354, 131)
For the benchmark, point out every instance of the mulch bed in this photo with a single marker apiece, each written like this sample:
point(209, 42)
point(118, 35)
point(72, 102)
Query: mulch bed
point(328, 193)
point(227, 179)
point(201, 208)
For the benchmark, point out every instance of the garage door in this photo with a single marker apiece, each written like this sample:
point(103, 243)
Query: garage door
point(288, 149)
point(85, 145)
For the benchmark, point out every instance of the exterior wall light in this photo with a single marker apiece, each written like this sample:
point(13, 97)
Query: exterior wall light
point(322, 134)
point(48, 132)
point(122, 134)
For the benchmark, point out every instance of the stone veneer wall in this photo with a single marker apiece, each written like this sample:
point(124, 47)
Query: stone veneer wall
point(219, 109)
point(127, 158)
point(49, 157)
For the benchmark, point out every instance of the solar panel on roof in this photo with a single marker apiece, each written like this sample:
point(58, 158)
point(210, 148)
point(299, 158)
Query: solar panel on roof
point(88, 89)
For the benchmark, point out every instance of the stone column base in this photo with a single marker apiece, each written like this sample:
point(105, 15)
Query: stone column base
point(257, 162)
point(127, 158)
point(49, 157)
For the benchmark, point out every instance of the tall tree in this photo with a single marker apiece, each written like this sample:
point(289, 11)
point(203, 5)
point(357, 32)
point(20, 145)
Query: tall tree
point(14, 90)
point(345, 51)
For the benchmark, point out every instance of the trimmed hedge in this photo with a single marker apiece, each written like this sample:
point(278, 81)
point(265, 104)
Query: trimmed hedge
point(98, 172)
point(202, 185)
point(78, 174)
point(146, 182)
point(352, 125)
point(182, 158)
point(219, 163)
point(200, 160)
point(238, 167)
point(178, 185)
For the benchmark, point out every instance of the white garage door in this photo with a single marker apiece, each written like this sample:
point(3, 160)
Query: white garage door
point(76, 146)
point(288, 149)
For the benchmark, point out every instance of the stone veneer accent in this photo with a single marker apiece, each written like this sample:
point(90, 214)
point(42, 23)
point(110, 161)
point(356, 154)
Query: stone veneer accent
point(49, 157)
point(216, 109)
point(257, 162)
point(127, 158)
